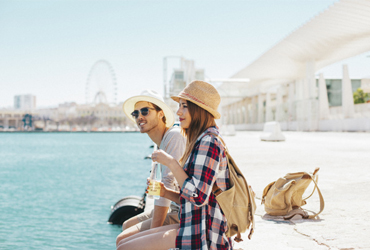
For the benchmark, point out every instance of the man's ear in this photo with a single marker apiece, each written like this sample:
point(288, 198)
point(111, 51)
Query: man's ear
point(161, 114)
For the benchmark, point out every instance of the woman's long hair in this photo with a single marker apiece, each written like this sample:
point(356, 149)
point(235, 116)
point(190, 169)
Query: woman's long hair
point(201, 120)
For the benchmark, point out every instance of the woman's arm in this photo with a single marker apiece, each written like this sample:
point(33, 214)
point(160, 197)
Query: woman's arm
point(206, 163)
point(163, 158)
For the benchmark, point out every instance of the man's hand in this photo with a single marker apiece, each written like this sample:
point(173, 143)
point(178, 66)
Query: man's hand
point(164, 190)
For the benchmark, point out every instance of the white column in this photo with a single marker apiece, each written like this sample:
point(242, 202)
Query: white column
point(238, 114)
point(244, 111)
point(300, 111)
point(229, 114)
point(228, 121)
point(224, 115)
point(348, 107)
point(291, 99)
point(279, 104)
point(249, 110)
point(311, 79)
point(235, 112)
point(305, 89)
point(311, 105)
point(254, 110)
point(241, 119)
point(305, 112)
point(260, 108)
point(299, 90)
point(268, 107)
point(232, 114)
point(323, 99)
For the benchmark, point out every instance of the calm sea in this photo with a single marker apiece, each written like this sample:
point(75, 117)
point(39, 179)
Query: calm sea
point(56, 189)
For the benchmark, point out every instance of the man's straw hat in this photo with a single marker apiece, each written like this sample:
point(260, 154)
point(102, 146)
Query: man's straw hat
point(202, 94)
point(149, 96)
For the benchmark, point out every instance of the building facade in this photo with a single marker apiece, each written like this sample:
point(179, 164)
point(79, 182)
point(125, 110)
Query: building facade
point(180, 77)
point(67, 117)
point(287, 83)
point(24, 102)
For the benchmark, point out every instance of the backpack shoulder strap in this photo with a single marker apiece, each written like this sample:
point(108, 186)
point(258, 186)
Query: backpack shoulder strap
point(314, 178)
point(219, 137)
point(322, 203)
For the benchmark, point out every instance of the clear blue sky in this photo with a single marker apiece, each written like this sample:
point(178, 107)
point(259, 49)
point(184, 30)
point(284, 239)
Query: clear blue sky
point(48, 47)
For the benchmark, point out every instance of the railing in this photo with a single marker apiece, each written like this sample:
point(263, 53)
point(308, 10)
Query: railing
point(299, 115)
point(361, 110)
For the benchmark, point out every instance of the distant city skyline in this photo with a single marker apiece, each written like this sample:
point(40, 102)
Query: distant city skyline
point(48, 48)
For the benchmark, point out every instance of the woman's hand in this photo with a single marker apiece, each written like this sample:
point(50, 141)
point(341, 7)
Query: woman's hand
point(162, 157)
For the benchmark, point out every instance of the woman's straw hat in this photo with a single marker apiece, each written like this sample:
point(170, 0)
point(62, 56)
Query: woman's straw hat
point(149, 96)
point(202, 94)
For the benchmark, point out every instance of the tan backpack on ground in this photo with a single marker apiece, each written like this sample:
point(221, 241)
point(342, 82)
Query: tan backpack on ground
point(238, 202)
point(284, 196)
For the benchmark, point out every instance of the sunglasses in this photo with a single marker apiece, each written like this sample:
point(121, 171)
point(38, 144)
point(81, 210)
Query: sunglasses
point(143, 111)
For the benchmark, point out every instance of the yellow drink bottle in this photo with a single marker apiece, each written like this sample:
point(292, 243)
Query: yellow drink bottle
point(155, 177)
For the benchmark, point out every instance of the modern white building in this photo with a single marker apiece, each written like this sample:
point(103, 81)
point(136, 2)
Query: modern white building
point(285, 84)
point(25, 102)
point(181, 76)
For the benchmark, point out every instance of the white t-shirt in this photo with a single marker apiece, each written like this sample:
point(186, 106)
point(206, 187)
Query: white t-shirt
point(172, 143)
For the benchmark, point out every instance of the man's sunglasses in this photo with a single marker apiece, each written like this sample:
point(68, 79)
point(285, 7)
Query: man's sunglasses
point(143, 111)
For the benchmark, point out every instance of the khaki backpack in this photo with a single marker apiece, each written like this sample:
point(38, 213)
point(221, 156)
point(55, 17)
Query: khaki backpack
point(284, 196)
point(238, 202)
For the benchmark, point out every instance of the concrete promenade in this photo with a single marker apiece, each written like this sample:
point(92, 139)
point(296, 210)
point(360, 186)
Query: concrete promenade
point(344, 180)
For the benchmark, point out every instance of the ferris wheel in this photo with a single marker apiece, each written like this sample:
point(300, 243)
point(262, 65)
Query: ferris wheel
point(101, 85)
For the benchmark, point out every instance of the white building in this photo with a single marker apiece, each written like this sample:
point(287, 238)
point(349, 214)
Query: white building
point(84, 117)
point(25, 102)
point(68, 117)
point(11, 119)
point(285, 84)
point(180, 77)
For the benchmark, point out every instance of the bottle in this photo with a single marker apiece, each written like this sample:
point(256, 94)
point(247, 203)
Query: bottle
point(155, 177)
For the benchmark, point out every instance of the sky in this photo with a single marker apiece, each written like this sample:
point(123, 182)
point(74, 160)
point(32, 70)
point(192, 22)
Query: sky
point(47, 48)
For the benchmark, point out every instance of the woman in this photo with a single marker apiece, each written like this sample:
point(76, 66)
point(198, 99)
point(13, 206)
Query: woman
point(202, 223)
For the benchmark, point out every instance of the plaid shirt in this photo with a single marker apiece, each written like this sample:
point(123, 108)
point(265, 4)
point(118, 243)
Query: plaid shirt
point(202, 223)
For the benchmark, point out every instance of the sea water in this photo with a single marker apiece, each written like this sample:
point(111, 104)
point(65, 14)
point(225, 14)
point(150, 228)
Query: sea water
point(57, 189)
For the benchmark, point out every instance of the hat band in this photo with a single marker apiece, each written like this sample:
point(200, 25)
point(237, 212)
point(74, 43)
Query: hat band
point(193, 98)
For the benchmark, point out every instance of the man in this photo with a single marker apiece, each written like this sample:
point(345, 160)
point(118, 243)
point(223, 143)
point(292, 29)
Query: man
point(155, 118)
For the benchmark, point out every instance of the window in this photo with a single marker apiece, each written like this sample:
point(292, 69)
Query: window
point(334, 89)
point(179, 75)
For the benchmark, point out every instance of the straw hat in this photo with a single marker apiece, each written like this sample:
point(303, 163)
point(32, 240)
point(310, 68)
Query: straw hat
point(149, 96)
point(202, 94)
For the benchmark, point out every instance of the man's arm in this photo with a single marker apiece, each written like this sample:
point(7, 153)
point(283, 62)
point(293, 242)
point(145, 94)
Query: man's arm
point(175, 146)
